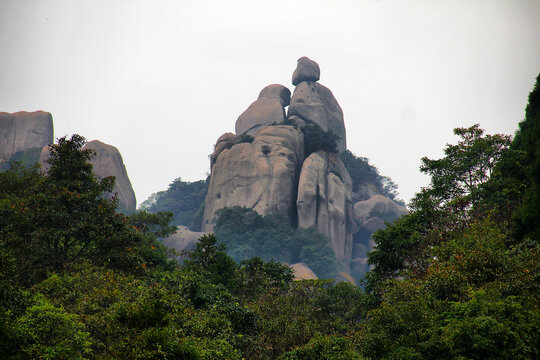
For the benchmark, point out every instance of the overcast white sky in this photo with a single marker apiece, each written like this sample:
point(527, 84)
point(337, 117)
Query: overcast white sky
point(162, 80)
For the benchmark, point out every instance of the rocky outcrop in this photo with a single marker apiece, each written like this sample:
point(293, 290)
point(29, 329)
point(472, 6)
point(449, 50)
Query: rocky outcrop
point(24, 130)
point(370, 215)
point(261, 174)
point(312, 102)
point(324, 201)
point(377, 206)
point(108, 162)
point(183, 239)
point(303, 272)
point(268, 109)
point(306, 70)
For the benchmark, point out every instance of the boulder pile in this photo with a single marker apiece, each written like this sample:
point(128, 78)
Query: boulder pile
point(263, 167)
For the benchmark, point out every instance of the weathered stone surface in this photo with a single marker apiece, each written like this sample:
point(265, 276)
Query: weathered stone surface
point(108, 162)
point(315, 103)
point(379, 206)
point(306, 70)
point(183, 239)
point(277, 91)
point(266, 110)
point(24, 130)
point(370, 216)
point(43, 157)
point(324, 201)
point(261, 175)
point(303, 272)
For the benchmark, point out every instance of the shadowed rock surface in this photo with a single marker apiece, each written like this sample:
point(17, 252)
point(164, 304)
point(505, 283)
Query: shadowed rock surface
point(24, 130)
point(324, 201)
point(261, 175)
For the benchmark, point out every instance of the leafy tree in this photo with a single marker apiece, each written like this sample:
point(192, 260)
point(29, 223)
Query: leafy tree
point(315, 139)
point(246, 234)
point(528, 140)
point(362, 172)
point(50, 221)
point(185, 200)
point(323, 348)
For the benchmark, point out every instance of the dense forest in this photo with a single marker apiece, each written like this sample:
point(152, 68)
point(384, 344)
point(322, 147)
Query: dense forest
point(456, 278)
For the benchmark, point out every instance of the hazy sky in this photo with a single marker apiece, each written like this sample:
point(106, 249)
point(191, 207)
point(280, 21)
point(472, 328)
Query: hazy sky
point(162, 80)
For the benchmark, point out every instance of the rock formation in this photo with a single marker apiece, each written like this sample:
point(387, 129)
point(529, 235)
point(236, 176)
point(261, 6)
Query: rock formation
point(183, 239)
point(312, 102)
point(377, 206)
point(261, 175)
point(24, 130)
point(306, 70)
point(263, 167)
point(324, 201)
point(303, 272)
point(268, 109)
point(109, 162)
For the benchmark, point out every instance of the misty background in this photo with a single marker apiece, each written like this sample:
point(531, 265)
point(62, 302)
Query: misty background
point(162, 80)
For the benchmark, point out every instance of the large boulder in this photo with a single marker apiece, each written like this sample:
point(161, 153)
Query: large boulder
point(24, 130)
point(183, 239)
point(370, 215)
point(306, 70)
point(378, 206)
point(266, 110)
point(261, 175)
point(324, 201)
point(108, 162)
point(302, 272)
point(312, 102)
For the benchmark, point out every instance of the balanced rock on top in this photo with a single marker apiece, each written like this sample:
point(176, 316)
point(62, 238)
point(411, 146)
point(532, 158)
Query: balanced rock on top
point(312, 102)
point(306, 70)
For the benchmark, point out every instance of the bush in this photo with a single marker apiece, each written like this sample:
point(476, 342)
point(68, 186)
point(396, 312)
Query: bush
point(246, 233)
point(184, 199)
point(315, 139)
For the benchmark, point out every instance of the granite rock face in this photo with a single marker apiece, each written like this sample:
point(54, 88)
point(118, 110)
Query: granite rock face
point(24, 130)
point(183, 239)
point(306, 70)
point(324, 201)
point(108, 162)
point(312, 102)
point(377, 206)
point(303, 272)
point(268, 109)
point(261, 175)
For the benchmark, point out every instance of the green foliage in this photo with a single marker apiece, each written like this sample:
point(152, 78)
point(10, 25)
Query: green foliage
point(363, 173)
point(315, 139)
point(48, 332)
point(49, 222)
point(528, 140)
point(185, 200)
point(323, 348)
point(246, 234)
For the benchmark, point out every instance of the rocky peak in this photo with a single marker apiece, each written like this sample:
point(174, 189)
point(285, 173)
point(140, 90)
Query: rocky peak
point(23, 130)
point(306, 70)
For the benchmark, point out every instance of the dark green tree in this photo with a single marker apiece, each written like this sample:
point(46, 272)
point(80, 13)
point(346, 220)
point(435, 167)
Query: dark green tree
point(528, 140)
